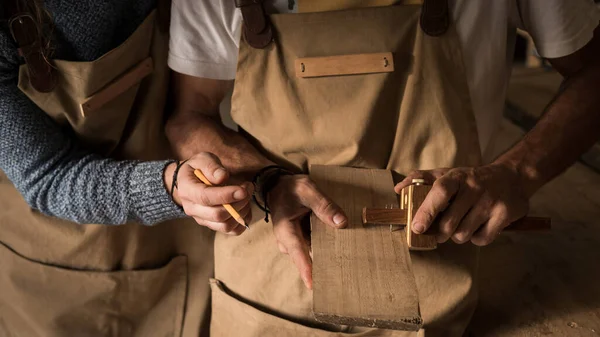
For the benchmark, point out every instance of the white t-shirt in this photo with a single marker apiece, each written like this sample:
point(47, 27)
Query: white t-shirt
point(205, 36)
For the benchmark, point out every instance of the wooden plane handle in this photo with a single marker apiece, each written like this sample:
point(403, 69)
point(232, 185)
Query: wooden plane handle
point(384, 216)
point(530, 223)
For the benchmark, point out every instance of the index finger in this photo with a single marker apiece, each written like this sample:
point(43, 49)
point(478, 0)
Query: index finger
point(289, 235)
point(322, 206)
point(413, 175)
point(435, 202)
point(428, 175)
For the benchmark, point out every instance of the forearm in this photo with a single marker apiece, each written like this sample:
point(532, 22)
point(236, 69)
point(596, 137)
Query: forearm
point(193, 132)
point(91, 189)
point(195, 126)
point(567, 129)
point(59, 179)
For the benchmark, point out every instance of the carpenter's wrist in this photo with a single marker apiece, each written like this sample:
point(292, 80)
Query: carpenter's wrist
point(528, 177)
point(264, 182)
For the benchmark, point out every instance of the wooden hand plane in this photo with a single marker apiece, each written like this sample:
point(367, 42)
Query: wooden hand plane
point(411, 198)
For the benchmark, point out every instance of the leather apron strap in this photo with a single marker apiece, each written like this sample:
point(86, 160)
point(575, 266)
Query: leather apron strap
point(26, 33)
point(435, 18)
point(259, 33)
point(257, 27)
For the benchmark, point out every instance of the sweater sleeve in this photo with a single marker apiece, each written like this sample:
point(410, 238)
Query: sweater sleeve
point(60, 179)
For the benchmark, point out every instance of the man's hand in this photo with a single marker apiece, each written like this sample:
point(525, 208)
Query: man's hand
point(292, 199)
point(477, 203)
point(474, 203)
point(204, 203)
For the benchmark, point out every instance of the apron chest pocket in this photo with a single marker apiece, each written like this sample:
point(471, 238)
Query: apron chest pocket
point(43, 300)
point(96, 98)
point(104, 115)
point(98, 119)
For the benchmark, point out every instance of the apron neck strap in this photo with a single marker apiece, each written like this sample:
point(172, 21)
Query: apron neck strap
point(435, 20)
point(435, 17)
point(26, 34)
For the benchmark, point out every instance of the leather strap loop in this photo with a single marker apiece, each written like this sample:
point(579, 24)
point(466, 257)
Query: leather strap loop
point(435, 17)
point(257, 21)
point(163, 15)
point(24, 30)
point(257, 28)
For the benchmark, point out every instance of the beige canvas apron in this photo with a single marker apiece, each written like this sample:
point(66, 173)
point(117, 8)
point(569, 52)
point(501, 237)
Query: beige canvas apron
point(58, 278)
point(417, 117)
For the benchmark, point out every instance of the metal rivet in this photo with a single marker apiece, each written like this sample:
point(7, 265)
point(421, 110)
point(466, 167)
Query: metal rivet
point(385, 62)
point(302, 67)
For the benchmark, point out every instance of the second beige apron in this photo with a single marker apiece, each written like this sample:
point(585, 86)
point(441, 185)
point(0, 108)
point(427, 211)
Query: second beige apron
point(60, 278)
point(417, 117)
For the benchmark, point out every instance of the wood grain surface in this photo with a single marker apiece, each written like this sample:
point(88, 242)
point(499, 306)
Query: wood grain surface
point(362, 274)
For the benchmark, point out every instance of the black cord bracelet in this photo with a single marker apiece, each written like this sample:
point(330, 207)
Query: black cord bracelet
point(264, 181)
point(175, 173)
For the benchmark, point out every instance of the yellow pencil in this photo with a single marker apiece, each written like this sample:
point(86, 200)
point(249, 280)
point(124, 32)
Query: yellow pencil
point(228, 207)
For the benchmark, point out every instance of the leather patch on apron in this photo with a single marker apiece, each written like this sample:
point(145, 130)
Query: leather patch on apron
point(345, 65)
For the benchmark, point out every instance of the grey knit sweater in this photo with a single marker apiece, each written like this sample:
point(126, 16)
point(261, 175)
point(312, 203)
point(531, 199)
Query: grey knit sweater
point(53, 173)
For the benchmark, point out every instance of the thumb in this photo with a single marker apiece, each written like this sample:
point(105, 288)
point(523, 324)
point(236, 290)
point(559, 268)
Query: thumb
point(210, 166)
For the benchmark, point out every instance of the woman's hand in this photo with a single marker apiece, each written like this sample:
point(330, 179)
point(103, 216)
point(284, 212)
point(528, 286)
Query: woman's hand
point(205, 203)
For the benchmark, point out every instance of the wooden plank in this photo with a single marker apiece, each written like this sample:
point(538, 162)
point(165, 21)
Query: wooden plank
point(344, 65)
point(362, 274)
